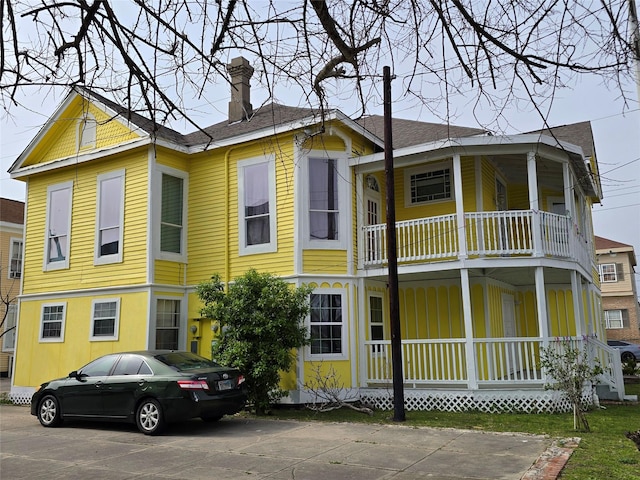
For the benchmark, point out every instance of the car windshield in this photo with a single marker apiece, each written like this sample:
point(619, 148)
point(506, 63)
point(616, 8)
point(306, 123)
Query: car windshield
point(185, 361)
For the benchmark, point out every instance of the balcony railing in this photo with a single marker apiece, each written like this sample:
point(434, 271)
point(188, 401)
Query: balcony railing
point(498, 362)
point(500, 233)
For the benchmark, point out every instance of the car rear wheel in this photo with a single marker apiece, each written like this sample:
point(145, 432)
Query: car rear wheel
point(627, 357)
point(149, 417)
point(49, 412)
point(211, 418)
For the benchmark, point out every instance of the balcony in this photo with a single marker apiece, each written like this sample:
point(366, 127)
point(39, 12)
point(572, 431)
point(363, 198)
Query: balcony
point(527, 233)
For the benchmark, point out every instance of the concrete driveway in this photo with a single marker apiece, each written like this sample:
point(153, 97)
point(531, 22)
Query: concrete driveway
point(260, 449)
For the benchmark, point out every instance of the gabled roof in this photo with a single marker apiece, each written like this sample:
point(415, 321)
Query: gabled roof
point(576, 133)
point(606, 244)
point(11, 211)
point(407, 133)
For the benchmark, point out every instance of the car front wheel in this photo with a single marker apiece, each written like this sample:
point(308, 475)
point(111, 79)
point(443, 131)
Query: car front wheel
point(49, 412)
point(149, 417)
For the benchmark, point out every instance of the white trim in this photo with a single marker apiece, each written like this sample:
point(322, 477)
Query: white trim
point(344, 201)
point(602, 273)
point(60, 264)
point(115, 257)
point(425, 168)
point(59, 339)
point(182, 321)
point(104, 338)
point(13, 241)
point(171, 256)
point(345, 344)
point(12, 307)
point(272, 245)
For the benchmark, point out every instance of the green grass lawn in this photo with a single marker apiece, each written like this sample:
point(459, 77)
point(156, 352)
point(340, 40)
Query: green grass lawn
point(604, 453)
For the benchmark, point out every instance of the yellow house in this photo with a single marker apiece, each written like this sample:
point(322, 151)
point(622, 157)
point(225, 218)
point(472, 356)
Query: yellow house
point(11, 230)
point(494, 240)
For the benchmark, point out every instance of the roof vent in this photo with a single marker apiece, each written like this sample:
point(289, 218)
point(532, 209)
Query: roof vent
point(240, 105)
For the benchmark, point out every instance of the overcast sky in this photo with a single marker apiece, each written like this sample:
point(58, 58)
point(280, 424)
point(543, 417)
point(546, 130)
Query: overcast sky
point(616, 128)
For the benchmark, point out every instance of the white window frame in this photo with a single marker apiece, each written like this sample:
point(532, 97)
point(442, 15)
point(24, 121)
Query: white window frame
point(344, 202)
point(608, 320)
point(272, 245)
point(115, 257)
point(602, 269)
point(182, 322)
point(59, 339)
point(378, 350)
point(171, 256)
point(9, 339)
point(87, 133)
point(58, 264)
point(116, 325)
point(16, 244)
point(426, 168)
point(344, 354)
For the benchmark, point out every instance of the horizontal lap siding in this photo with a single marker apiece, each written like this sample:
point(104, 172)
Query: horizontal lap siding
point(53, 360)
point(82, 273)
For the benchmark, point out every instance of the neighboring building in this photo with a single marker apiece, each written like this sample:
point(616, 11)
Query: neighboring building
point(619, 295)
point(11, 231)
point(494, 233)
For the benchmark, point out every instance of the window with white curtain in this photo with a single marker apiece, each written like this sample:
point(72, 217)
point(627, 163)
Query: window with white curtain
point(58, 226)
point(256, 202)
point(323, 199)
point(110, 216)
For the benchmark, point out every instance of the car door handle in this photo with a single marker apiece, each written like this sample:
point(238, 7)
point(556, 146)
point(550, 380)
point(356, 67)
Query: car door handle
point(142, 383)
point(99, 384)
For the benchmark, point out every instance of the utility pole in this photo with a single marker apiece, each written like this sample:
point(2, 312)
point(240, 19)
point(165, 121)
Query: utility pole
point(392, 255)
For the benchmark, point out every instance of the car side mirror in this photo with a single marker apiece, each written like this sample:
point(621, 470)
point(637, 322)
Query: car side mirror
point(77, 375)
point(73, 374)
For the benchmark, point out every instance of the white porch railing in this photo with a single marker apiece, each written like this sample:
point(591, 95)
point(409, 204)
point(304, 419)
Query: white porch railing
point(500, 233)
point(499, 362)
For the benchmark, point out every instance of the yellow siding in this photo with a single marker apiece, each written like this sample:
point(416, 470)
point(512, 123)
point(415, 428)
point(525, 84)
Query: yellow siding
point(517, 196)
point(62, 138)
point(325, 261)
point(488, 185)
point(53, 360)
point(81, 272)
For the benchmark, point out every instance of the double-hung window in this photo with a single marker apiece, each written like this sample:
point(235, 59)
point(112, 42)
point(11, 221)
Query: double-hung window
point(167, 324)
point(105, 319)
point(376, 321)
point(109, 217)
point(614, 318)
point(172, 215)
point(327, 325)
point(58, 225)
point(10, 322)
point(429, 183)
point(608, 273)
point(323, 199)
point(52, 322)
point(256, 201)
point(15, 258)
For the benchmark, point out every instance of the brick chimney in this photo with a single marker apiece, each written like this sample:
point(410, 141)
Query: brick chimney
point(240, 105)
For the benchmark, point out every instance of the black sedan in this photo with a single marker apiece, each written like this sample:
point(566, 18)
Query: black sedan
point(148, 388)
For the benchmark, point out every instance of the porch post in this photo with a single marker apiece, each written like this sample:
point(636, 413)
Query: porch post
point(567, 181)
point(534, 203)
point(541, 306)
point(472, 377)
point(578, 310)
point(462, 227)
point(360, 213)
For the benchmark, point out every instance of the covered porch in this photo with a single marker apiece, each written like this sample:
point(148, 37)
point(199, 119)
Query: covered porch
point(503, 374)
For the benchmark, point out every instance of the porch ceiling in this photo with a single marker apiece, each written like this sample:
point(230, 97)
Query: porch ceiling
point(514, 169)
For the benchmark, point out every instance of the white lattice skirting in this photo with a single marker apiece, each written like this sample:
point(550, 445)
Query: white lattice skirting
point(462, 401)
point(20, 396)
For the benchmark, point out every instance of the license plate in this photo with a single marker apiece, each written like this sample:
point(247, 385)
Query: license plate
point(225, 385)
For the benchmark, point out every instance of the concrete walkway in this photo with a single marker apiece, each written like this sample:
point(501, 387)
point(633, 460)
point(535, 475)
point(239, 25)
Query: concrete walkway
point(264, 449)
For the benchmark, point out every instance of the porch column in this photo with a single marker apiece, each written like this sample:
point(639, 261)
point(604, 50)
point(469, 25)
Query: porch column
point(472, 378)
point(578, 306)
point(534, 203)
point(462, 227)
point(567, 181)
point(360, 220)
point(541, 306)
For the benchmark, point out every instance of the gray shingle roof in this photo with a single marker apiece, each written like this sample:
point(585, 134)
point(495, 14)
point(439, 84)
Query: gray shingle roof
point(410, 132)
point(576, 133)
